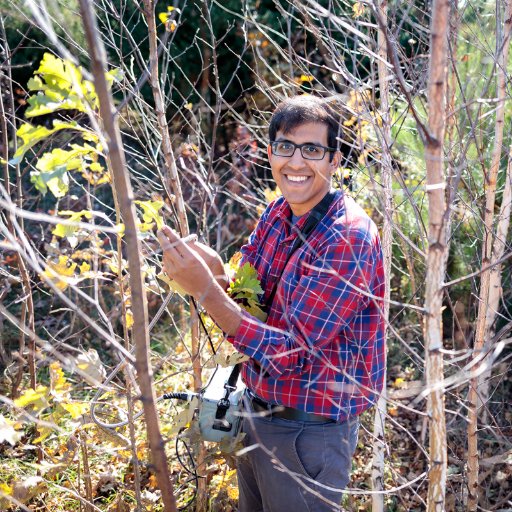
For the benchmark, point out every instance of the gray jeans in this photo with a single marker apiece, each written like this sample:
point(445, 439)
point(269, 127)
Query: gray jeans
point(289, 461)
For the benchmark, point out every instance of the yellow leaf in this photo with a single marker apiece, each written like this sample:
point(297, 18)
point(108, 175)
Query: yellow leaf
point(271, 195)
point(129, 319)
point(26, 489)
point(184, 418)
point(358, 9)
point(350, 122)
point(153, 483)
point(399, 382)
point(75, 409)
point(113, 264)
point(5, 490)
point(393, 411)
point(60, 273)
point(84, 267)
point(37, 398)
point(306, 78)
point(59, 386)
point(171, 283)
point(232, 492)
point(66, 230)
point(230, 359)
point(44, 432)
point(151, 211)
point(164, 16)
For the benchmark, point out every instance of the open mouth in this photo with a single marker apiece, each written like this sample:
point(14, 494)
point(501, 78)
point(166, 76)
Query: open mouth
point(297, 179)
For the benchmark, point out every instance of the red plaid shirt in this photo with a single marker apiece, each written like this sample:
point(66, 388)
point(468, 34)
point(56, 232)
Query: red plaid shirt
point(322, 348)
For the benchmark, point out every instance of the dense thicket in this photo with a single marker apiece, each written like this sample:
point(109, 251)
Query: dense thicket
point(66, 318)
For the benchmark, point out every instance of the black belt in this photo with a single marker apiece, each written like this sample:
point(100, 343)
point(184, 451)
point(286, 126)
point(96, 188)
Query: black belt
point(286, 413)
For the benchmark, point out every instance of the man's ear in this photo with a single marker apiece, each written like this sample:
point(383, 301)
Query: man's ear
point(269, 151)
point(336, 161)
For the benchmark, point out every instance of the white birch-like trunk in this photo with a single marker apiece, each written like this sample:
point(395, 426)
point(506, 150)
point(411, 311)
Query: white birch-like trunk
point(483, 322)
point(436, 255)
point(386, 168)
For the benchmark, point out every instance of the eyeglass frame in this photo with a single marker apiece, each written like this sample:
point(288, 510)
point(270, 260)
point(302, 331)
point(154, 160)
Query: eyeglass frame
point(300, 146)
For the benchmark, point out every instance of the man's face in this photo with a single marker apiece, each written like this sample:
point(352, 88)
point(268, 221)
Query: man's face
point(303, 182)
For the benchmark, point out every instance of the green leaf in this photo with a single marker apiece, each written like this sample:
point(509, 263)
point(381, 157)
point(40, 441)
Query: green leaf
point(31, 135)
point(255, 310)
point(59, 158)
point(151, 212)
point(53, 166)
point(61, 86)
point(56, 180)
point(246, 288)
point(65, 230)
point(246, 281)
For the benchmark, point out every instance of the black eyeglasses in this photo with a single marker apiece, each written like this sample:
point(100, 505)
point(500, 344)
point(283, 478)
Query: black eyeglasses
point(308, 151)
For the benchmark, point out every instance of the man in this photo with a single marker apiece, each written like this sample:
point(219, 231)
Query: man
point(318, 361)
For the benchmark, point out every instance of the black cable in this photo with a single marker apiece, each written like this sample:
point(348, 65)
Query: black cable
point(186, 397)
point(193, 473)
point(203, 326)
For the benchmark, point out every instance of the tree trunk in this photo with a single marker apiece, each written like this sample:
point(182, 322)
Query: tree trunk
point(172, 175)
point(483, 323)
point(436, 255)
point(124, 192)
point(386, 168)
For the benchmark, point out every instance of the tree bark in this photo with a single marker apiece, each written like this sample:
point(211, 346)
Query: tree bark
point(386, 169)
point(172, 175)
point(124, 191)
point(436, 255)
point(167, 152)
point(483, 322)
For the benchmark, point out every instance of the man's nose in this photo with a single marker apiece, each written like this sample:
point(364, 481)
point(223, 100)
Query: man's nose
point(296, 160)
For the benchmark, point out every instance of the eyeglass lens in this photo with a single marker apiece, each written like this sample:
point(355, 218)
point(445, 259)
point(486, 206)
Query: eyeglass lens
point(308, 151)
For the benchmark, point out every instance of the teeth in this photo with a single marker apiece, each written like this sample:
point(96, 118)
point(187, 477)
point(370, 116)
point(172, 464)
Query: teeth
point(298, 179)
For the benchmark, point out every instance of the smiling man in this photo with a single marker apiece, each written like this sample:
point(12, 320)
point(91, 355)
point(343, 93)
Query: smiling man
point(318, 361)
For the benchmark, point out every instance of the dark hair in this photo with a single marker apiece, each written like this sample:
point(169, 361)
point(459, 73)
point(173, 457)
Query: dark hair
point(298, 110)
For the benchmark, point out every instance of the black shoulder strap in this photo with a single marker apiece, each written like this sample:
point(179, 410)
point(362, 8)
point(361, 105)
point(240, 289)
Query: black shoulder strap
point(316, 215)
point(233, 377)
